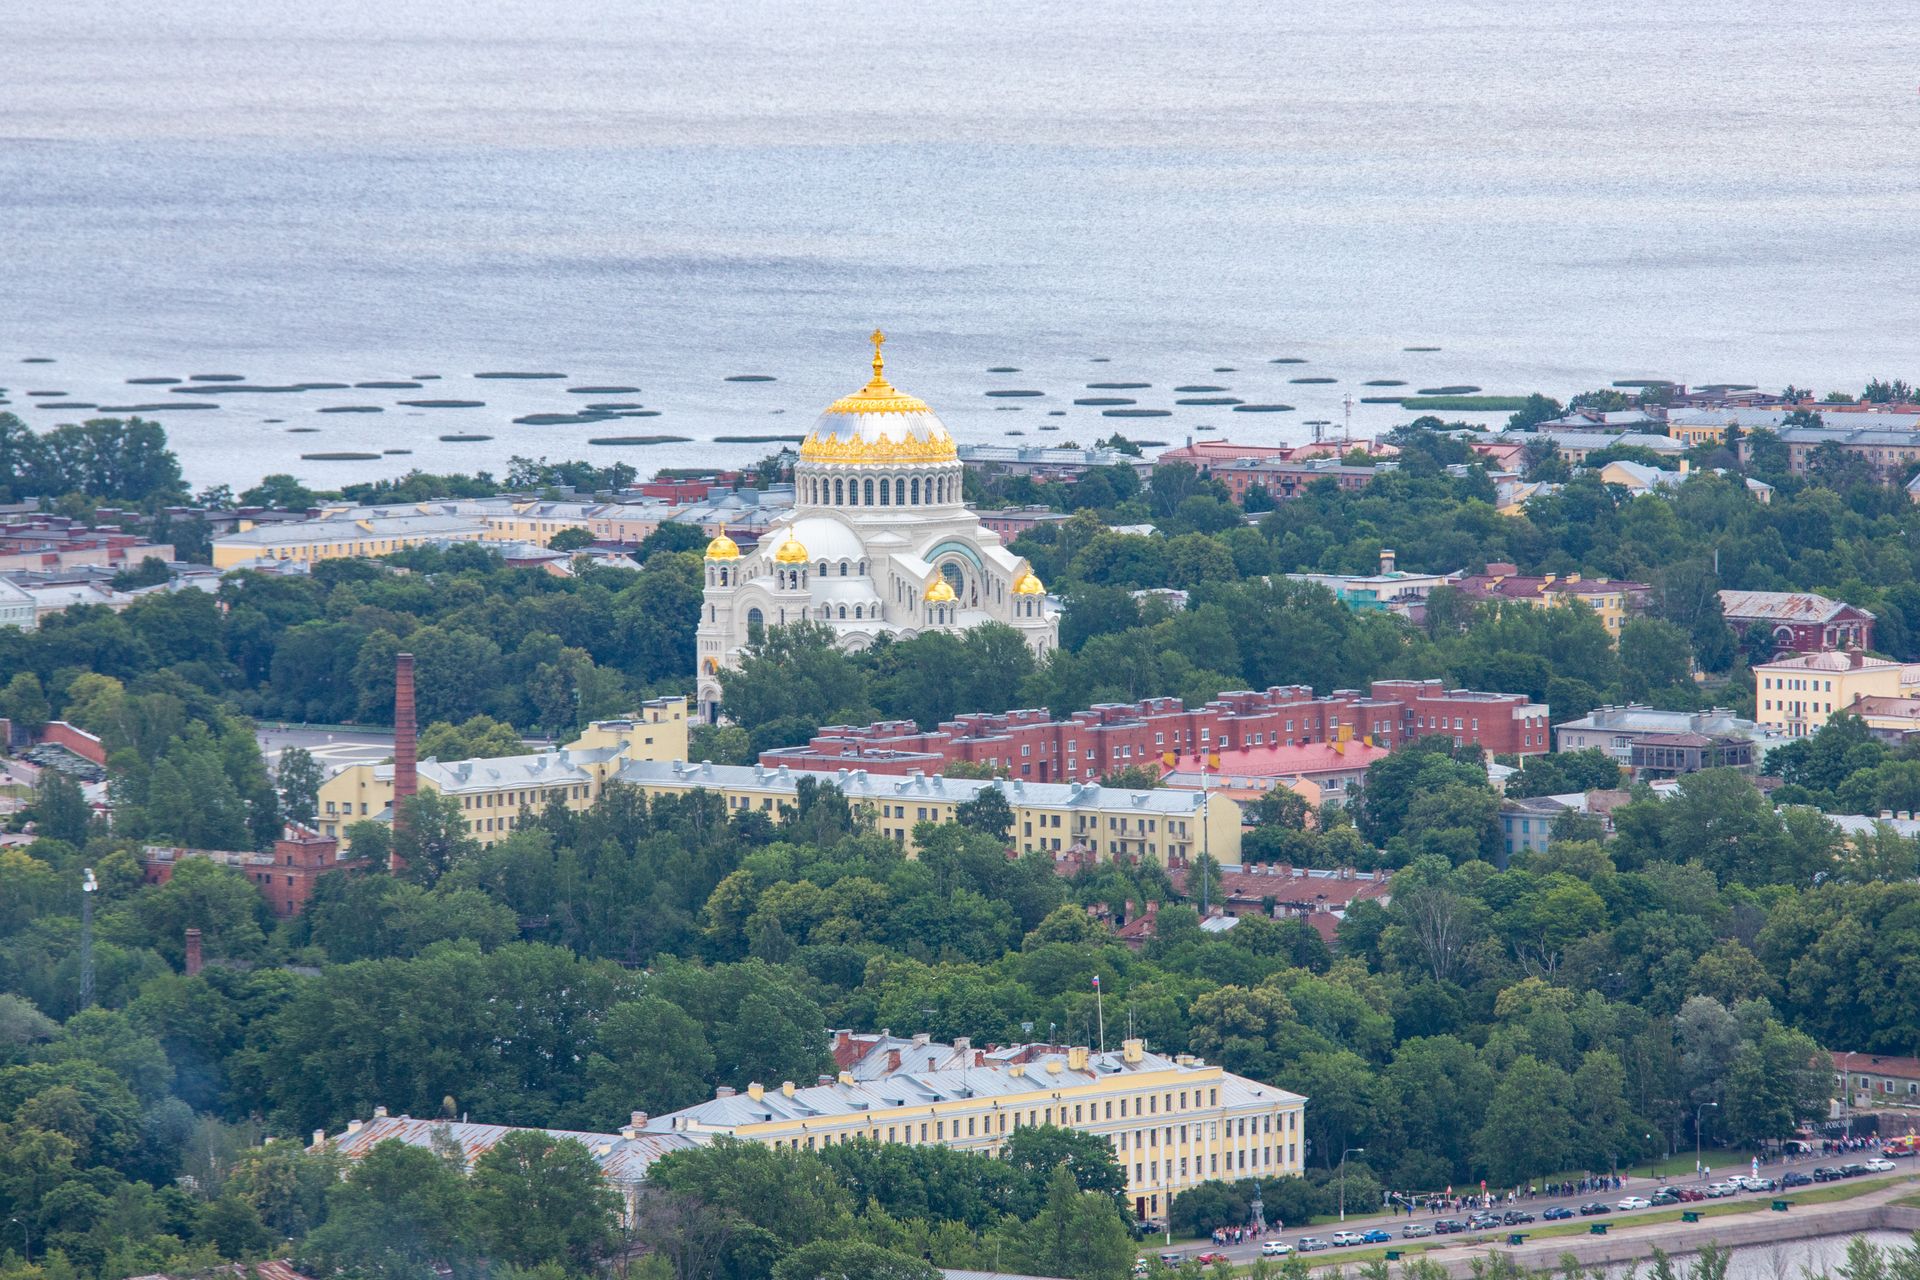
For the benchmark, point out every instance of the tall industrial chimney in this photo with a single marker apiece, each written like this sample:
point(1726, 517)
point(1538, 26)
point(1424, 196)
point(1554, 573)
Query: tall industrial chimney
point(194, 961)
point(406, 778)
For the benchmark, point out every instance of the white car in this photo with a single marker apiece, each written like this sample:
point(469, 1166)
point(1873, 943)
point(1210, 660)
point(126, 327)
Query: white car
point(1275, 1249)
point(1634, 1202)
point(1880, 1164)
point(1721, 1190)
point(1344, 1238)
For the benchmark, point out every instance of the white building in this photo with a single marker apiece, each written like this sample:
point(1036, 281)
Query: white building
point(878, 543)
point(17, 607)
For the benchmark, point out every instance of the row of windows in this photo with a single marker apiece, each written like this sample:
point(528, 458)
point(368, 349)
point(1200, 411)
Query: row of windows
point(1796, 683)
point(897, 491)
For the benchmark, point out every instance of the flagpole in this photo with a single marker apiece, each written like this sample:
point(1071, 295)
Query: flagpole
point(1100, 1006)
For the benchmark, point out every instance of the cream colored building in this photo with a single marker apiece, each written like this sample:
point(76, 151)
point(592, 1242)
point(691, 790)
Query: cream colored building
point(340, 531)
point(1163, 825)
point(1173, 1122)
point(1795, 696)
point(492, 792)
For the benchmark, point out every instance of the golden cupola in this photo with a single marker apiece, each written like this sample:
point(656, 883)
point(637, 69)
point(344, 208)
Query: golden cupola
point(723, 548)
point(1028, 585)
point(878, 424)
point(790, 551)
point(939, 593)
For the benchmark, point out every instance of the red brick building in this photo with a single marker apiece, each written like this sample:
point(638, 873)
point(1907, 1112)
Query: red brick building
point(285, 877)
point(1798, 621)
point(1092, 743)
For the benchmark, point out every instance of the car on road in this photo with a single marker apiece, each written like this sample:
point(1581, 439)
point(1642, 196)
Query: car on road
point(1555, 1214)
point(1879, 1164)
point(1690, 1194)
point(1822, 1173)
point(1794, 1178)
point(1345, 1238)
point(1852, 1170)
point(1275, 1249)
point(1721, 1190)
point(1515, 1217)
point(1172, 1258)
point(1592, 1207)
point(1481, 1221)
point(1448, 1226)
point(1376, 1236)
point(1665, 1195)
point(1415, 1231)
point(1629, 1203)
point(1210, 1257)
point(1311, 1244)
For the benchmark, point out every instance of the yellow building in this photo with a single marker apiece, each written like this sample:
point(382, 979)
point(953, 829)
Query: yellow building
point(1173, 1122)
point(340, 531)
point(493, 792)
point(1614, 601)
point(1795, 696)
point(1163, 825)
point(1697, 433)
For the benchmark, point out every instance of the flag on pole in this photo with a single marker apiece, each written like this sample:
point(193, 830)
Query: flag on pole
point(1096, 981)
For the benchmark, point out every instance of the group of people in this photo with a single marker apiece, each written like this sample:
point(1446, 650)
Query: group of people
point(1240, 1235)
point(1593, 1182)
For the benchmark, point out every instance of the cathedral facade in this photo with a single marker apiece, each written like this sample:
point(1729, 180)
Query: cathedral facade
point(880, 543)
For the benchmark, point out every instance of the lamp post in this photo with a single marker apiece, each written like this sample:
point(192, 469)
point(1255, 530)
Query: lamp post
point(26, 1236)
point(1696, 1133)
point(88, 887)
point(1343, 1178)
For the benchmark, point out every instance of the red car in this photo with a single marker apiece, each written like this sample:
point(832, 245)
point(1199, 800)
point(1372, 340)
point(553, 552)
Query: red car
point(1689, 1194)
point(1209, 1258)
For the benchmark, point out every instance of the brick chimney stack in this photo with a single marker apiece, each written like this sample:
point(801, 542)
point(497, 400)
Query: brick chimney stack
point(406, 777)
point(194, 962)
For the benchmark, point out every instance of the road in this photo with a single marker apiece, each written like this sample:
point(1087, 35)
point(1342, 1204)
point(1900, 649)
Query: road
point(1629, 1186)
point(335, 749)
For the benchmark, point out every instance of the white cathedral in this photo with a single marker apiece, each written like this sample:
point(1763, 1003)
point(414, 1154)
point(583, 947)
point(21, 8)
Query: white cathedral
point(879, 543)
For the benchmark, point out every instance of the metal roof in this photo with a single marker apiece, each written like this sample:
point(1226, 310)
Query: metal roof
point(621, 1159)
point(1784, 606)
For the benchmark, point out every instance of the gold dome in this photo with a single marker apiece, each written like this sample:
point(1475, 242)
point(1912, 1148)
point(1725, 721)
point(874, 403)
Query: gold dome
point(723, 548)
point(880, 424)
point(790, 551)
point(939, 592)
point(1028, 585)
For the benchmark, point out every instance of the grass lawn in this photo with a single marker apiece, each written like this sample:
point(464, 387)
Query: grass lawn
point(1826, 1194)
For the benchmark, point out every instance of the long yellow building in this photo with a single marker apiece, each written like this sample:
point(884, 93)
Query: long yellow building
point(1163, 825)
point(492, 792)
point(1796, 695)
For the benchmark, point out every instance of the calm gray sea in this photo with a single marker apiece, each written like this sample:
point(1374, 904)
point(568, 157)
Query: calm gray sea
point(1554, 193)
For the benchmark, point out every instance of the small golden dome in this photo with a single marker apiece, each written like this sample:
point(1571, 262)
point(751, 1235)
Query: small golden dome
point(790, 551)
point(723, 548)
point(1028, 585)
point(939, 593)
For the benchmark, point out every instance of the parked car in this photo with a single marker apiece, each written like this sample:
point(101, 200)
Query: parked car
point(1172, 1258)
point(1852, 1170)
point(1415, 1230)
point(1516, 1217)
point(1592, 1207)
point(1311, 1244)
point(1210, 1257)
point(1879, 1164)
point(1275, 1249)
point(1690, 1194)
point(1794, 1179)
point(1481, 1221)
point(1821, 1173)
point(1376, 1236)
point(1665, 1195)
point(1721, 1190)
point(1628, 1203)
point(1140, 1267)
point(1448, 1226)
point(1556, 1213)
point(1345, 1238)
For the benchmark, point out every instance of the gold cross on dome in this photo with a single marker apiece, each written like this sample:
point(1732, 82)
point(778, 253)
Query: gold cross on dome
point(877, 338)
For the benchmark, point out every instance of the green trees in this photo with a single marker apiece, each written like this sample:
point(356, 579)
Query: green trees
point(540, 1199)
point(478, 737)
point(402, 1212)
point(299, 776)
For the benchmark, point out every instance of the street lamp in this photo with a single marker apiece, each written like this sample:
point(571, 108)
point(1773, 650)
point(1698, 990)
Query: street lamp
point(26, 1236)
point(88, 887)
point(1696, 1133)
point(1343, 1178)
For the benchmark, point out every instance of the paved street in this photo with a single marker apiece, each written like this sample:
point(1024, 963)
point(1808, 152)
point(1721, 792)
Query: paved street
point(1629, 1186)
point(335, 749)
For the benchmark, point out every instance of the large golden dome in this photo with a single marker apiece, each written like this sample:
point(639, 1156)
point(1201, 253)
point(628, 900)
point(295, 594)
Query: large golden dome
point(878, 424)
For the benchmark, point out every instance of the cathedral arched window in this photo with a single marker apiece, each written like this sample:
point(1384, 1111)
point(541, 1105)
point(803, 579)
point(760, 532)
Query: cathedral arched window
point(886, 493)
point(899, 492)
point(839, 494)
point(823, 568)
point(843, 613)
point(858, 612)
point(755, 618)
point(913, 491)
point(843, 568)
point(869, 491)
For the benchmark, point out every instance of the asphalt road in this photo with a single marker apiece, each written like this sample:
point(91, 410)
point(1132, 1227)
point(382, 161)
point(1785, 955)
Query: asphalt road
point(1643, 1187)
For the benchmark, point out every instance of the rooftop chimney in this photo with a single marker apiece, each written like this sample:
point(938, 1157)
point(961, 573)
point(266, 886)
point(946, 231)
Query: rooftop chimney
point(1387, 560)
point(193, 952)
point(406, 780)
